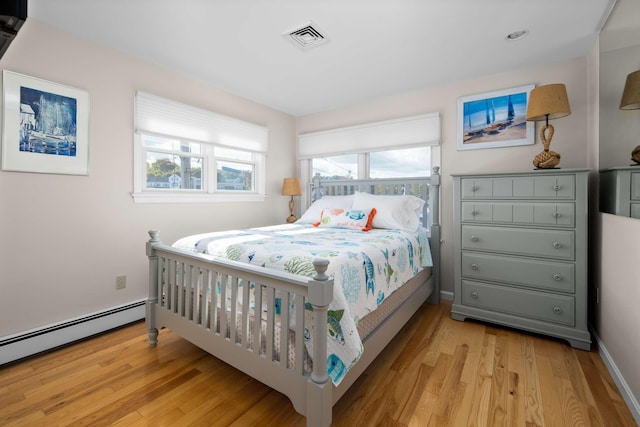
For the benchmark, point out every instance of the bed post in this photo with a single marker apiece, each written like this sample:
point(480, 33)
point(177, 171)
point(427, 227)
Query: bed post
point(152, 301)
point(319, 386)
point(435, 234)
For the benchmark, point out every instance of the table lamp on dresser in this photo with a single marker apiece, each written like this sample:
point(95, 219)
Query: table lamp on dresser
point(291, 187)
point(545, 103)
point(631, 101)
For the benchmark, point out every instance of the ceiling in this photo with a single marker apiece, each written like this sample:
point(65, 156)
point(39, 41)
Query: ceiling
point(622, 28)
point(376, 48)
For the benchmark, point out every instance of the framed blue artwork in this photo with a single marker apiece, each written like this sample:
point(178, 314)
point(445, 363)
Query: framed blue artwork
point(45, 126)
point(495, 119)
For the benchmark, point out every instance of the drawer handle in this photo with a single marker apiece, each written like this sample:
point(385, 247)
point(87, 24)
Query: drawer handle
point(557, 277)
point(557, 187)
point(557, 310)
point(474, 213)
point(556, 214)
point(474, 267)
point(474, 188)
point(474, 238)
point(474, 295)
point(557, 245)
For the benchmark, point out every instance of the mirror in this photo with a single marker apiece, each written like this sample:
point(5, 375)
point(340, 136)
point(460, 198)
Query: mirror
point(619, 129)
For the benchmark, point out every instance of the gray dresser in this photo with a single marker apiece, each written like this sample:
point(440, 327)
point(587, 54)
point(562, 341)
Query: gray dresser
point(520, 251)
point(620, 191)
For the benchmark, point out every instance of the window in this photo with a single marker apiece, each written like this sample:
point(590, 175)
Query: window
point(235, 169)
point(397, 148)
point(186, 154)
point(172, 164)
point(409, 162)
point(336, 167)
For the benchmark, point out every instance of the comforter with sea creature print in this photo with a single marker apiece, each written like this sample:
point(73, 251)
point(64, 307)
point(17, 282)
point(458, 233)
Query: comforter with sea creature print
point(366, 269)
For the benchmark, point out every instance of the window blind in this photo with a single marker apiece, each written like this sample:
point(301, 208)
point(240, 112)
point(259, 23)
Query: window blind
point(406, 132)
point(161, 116)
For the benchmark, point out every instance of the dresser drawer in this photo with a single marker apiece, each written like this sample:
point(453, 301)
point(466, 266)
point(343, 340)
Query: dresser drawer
point(635, 186)
point(635, 210)
point(556, 276)
point(554, 244)
point(520, 302)
point(526, 187)
point(561, 214)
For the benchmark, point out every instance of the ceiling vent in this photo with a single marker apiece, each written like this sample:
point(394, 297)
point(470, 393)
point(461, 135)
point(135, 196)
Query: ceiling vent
point(307, 36)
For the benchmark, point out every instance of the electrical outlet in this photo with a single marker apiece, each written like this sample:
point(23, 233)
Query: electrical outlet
point(121, 282)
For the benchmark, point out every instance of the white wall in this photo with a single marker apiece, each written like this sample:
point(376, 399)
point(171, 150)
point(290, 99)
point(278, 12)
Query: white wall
point(618, 315)
point(64, 239)
point(570, 138)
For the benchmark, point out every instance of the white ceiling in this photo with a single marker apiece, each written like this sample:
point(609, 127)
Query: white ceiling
point(377, 48)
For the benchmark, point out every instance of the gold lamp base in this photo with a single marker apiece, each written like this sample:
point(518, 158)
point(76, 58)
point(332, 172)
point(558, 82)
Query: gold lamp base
point(292, 217)
point(635, 155)
point(547, 159)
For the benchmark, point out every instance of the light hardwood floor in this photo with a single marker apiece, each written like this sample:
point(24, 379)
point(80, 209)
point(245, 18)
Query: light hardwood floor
point(436, 372)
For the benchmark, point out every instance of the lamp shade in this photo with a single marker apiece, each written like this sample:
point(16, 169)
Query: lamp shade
point(631, 94)
point(548, 102)
point(291, 187)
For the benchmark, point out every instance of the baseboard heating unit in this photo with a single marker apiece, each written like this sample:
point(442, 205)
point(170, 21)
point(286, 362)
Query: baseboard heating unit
point(27, 343)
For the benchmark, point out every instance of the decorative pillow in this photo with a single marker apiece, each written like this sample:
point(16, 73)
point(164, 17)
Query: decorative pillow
point(312, 215)
point(400, 212)
point(341, 218)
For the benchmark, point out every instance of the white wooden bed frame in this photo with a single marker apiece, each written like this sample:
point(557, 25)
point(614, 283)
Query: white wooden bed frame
point(180, 298)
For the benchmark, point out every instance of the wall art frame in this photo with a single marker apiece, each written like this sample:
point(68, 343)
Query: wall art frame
point(45, 126)
point(495, 119)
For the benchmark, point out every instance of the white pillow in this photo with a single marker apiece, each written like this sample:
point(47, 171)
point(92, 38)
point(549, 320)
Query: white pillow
point(393, 212)
point(314, 213)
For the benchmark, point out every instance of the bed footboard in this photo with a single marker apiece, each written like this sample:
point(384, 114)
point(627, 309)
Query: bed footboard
point(253, 318)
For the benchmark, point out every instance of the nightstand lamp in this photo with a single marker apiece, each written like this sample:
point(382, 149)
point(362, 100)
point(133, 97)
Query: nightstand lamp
point(631, 101)
point(545, 103)
point(291, 187)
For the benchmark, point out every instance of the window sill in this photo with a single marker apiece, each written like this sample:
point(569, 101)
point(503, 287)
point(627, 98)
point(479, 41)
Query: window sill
point(153, 197)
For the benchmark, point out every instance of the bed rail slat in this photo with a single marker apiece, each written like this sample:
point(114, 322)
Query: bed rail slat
point(284, 329)
point(203, 308)
point(270, 303)
point(181, 289)
point(299, 338)
point(257, 319)
point(173, 291)
point(224, 280)
point(188, 290)
point(246, 310)
point(234, 310)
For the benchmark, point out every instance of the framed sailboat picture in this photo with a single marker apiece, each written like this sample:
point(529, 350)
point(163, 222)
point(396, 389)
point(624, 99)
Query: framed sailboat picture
point(45, 126)
point(495, 119)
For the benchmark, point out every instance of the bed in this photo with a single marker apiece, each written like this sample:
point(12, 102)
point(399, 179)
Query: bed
point(296, 322)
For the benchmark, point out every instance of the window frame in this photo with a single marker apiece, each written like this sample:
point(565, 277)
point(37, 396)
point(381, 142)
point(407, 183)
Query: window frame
point(206, 123)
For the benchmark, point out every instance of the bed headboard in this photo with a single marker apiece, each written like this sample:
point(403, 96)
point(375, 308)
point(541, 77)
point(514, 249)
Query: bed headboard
point(427, 188)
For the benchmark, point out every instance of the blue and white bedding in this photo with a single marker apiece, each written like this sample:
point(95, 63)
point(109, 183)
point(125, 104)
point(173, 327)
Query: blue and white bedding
point(366, 267)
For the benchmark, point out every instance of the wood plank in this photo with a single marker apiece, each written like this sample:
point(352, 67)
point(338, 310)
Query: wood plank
point(516, 371)
point(534, 410)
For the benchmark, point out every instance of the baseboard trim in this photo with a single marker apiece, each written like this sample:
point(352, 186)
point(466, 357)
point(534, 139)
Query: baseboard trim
point(625, 391)
point(28, 343)
point(446, 295)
